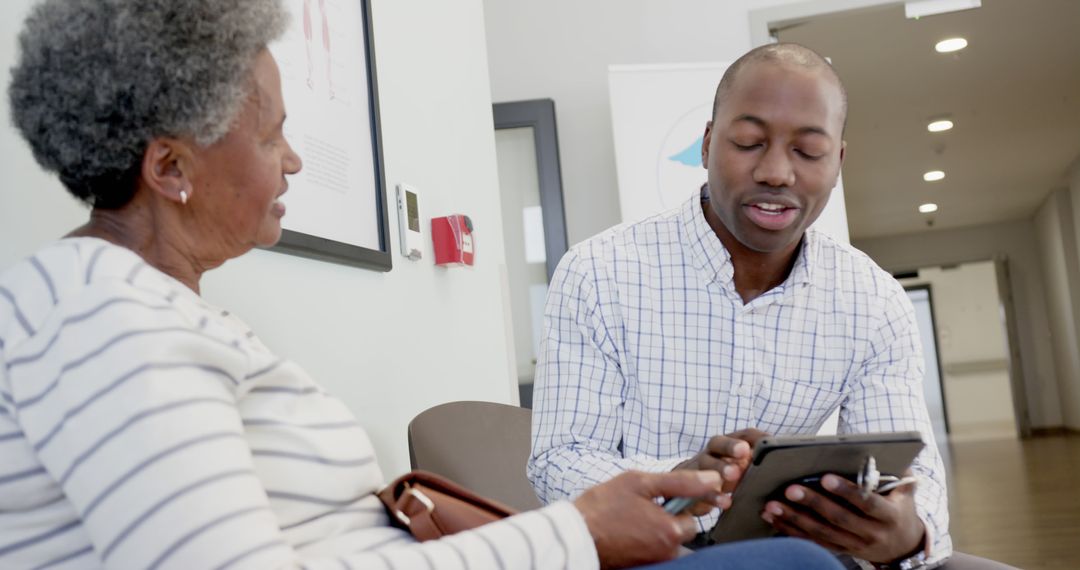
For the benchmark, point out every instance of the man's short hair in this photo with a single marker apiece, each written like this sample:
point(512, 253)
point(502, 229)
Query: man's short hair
point(783, 53)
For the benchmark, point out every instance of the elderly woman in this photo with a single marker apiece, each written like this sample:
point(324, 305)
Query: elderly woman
point(141, 427)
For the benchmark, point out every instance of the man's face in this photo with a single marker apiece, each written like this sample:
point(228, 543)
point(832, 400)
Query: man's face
point(773, 152)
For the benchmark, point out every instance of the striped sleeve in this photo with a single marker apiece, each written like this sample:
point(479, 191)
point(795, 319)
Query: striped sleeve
point(552, 537)
point(132, 410)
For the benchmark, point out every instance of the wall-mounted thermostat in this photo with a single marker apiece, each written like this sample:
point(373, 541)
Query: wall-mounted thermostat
point(409, 221)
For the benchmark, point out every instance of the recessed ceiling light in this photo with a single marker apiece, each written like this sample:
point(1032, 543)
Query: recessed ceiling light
point(928, 208)
point(950, 45)
point(939, 125)
point(933, 176)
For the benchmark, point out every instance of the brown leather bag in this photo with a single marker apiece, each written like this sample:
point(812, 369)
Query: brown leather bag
point(430, 506)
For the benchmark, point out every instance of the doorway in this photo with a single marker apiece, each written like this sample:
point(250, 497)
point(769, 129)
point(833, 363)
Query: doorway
point(921, 296)
point(534, 223)
point(970, 337)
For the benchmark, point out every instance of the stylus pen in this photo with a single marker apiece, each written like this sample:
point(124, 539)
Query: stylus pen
point(676, 505)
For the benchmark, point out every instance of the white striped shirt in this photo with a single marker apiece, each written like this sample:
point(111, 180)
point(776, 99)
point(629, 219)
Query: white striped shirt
point(142, 428)
point(648, 351)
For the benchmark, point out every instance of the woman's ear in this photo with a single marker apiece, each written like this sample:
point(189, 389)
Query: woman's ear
point(166, 169)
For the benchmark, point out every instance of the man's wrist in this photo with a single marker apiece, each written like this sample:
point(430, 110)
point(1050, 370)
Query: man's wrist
point(916, 558)
point(914, 562)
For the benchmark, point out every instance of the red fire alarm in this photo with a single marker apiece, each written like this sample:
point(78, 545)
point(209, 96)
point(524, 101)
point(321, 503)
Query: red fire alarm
point(453, 239)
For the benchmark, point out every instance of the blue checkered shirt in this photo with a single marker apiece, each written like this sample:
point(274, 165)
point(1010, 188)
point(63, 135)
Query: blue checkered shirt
point(648, 351)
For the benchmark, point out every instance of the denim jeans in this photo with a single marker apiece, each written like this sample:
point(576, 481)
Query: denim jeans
point(762, 554)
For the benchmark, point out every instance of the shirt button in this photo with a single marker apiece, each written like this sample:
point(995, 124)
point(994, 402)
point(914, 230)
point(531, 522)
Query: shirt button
point(745, 390)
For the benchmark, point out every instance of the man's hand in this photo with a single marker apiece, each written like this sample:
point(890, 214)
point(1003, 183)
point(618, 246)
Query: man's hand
point(880, 529)
point(728, 455)
point(630, 528)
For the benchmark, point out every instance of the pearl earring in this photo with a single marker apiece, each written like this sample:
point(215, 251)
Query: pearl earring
point(183, 196)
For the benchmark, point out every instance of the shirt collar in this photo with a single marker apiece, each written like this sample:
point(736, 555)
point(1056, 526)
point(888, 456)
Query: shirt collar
point(712, 258)
point(709, 255)
point(803, 270)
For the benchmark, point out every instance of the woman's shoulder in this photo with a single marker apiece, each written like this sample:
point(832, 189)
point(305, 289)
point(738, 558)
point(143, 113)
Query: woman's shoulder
point(72, 264)
point(81, 299)
point(76, 278)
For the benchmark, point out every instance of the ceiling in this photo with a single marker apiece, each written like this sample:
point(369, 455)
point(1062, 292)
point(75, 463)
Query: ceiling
point(1013, 94)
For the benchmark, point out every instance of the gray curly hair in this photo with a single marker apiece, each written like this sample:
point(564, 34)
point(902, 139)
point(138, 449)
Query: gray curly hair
point(98, 79)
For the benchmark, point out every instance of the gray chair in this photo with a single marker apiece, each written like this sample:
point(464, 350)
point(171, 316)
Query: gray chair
point(961, 561)
point(484, 446)
point(958, 561)
point(481, 445)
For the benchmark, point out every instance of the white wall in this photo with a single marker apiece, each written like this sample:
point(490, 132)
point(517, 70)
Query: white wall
point(561, 49)
point(1051, 222)
point(966, 304)
point(33, 205)
point(980, 403)
point(1061, 265)
point(1016, 242)
point(390, 344)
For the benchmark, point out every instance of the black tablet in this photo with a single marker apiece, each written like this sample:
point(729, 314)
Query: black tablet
point(781, 460)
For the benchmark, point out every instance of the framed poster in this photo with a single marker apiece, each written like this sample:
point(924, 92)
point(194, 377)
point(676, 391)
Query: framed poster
point(336, 207)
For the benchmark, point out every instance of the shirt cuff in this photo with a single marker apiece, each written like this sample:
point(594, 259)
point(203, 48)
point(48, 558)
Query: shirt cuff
point(935, 554)
point(930, 557)
point(571, 527)
point(652, 465)
point(931, 538)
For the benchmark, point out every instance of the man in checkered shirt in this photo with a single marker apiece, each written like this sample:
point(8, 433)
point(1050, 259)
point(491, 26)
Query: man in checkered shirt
point(729, 315)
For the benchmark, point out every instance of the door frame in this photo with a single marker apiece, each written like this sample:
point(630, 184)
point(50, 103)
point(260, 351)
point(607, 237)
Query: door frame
point(766, 22)
point(1012, 336)
point(540, 115)
point(937, 349)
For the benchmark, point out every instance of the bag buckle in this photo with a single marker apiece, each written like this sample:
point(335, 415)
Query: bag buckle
point(419, 496)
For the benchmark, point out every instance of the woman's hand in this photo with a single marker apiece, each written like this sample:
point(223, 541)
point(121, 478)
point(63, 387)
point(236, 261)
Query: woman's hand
point(630, 528)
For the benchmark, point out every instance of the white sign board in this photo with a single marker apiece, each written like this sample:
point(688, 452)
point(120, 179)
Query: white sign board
point(658, 116)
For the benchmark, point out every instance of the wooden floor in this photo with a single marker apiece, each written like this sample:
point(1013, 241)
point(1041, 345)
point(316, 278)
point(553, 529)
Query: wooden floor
point(1017, 501)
